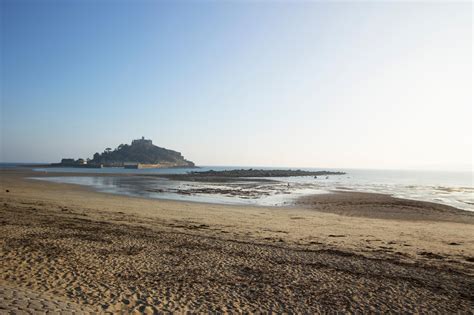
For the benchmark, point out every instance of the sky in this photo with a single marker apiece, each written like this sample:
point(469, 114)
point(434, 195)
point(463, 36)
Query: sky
point(300, 84)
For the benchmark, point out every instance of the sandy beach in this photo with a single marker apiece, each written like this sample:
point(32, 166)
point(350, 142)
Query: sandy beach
point(68, 247)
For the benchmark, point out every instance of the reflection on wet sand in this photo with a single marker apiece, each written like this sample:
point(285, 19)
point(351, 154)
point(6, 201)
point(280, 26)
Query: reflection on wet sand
point(274, 191)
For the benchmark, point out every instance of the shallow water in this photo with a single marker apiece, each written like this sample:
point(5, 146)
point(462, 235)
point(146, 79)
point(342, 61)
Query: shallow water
point(450, 188)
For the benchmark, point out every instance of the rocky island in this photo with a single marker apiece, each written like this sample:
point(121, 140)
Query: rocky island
point(140, 154)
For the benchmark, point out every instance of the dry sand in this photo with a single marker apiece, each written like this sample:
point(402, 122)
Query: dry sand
point(346, 252)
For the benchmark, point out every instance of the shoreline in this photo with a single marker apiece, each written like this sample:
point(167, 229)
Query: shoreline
point(313, 202)
point(307, 200)
point(54, 236)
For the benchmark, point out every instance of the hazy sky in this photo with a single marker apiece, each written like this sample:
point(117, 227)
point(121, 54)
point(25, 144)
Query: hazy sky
point(320, 84)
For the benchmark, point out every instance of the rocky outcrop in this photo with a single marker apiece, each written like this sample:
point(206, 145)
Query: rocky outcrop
point(140, 152)
point(244, 174)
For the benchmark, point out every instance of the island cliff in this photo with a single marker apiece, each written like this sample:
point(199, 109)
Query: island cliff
point(140, 154)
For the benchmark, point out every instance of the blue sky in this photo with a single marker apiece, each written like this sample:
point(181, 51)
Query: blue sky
point(317, 84)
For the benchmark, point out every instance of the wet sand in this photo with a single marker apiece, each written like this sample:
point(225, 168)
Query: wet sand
point(371, 205)
point(344, 252)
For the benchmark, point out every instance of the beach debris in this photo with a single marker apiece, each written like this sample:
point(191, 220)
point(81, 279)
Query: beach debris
point(7, 190)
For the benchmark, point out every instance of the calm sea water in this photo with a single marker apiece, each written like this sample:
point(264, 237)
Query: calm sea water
point(450, 188)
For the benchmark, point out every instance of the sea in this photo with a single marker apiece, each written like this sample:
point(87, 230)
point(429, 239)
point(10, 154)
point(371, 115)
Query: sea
point(445, 187)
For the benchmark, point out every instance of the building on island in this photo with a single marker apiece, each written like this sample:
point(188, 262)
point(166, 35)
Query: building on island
point(142, 141)
point(67, 161)
point(72, 162)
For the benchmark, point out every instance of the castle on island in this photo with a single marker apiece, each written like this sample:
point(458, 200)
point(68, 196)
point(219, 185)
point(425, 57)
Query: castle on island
point(142, 141)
